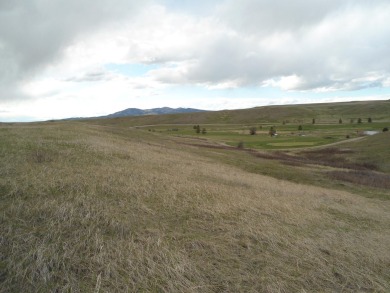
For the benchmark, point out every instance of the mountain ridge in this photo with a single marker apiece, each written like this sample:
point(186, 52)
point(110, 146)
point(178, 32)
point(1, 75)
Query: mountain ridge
point(152, 111)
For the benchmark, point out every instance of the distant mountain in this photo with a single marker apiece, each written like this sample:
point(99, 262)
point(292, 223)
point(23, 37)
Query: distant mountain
point(154, 111)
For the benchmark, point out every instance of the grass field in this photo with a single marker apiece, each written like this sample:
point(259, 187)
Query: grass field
point(330, 113)
point(93, 208)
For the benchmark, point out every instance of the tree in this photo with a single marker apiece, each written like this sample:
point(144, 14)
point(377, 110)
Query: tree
point(369, 120)
point(313, 121)
point(300, 127)
point(204, 131)
point(385, 129)
point(197, 129)
point(360, 120)
point(340, 121)
point(252, 130)
point(272, 131)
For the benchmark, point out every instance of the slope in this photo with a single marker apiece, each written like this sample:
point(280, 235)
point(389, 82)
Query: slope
point(89, 208)
point(323, 113)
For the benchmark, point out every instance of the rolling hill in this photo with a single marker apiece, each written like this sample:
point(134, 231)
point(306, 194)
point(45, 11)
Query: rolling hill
point(100, 206)
point(323, 113)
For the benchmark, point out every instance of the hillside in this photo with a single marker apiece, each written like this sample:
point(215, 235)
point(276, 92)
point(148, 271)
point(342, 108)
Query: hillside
point(89, 208)
point(323, 113)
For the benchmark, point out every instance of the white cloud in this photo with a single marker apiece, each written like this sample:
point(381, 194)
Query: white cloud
point(61, 51)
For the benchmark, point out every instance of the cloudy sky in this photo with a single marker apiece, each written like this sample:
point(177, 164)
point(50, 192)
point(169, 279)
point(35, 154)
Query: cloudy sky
point(72, 58)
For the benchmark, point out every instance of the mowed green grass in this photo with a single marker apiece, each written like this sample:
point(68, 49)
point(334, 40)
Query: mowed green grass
point(89, 208)
point(288, 135)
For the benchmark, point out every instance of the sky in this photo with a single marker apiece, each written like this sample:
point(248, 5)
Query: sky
point(72, 58)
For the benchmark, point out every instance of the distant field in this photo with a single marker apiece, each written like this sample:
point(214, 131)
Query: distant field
point(288, 135)
point(291, 144)
point(112, 206)
point(330, 113)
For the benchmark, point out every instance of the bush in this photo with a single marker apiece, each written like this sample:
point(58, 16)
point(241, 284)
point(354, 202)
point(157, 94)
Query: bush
point(252, 130)
point(272, 131)
point(385, 129)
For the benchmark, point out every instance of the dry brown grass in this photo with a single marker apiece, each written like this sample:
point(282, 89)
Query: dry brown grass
point(89, 209)
point(368, 178)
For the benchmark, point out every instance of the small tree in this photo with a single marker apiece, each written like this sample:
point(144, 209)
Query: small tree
point(252, 130)
point(300, 127)
point(360, 120)
point(272, 131)
point(197, 129)
point(313, 121)
point(385, 129)
point(369, 120)
point(340, 121)
point(204, 131)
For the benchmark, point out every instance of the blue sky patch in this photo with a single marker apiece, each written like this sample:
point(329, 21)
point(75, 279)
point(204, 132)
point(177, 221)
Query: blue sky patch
point(131, 69)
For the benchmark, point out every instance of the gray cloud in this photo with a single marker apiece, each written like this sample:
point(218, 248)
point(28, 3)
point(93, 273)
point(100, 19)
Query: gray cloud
point(34, 33)
point(91, 77)
point(264, 16)
point(329, 45)
point(320, 44)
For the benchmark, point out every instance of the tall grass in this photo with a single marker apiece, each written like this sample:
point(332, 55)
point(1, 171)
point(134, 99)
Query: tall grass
point(97, 209)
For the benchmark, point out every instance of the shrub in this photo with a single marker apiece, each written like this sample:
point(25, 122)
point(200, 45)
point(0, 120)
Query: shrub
point(272, 131)
point(252, 130)
point(385, 129)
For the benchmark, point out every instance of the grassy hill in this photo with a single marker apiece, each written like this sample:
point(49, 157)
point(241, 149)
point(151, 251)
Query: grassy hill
point(323, 113)
point(105, 208)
